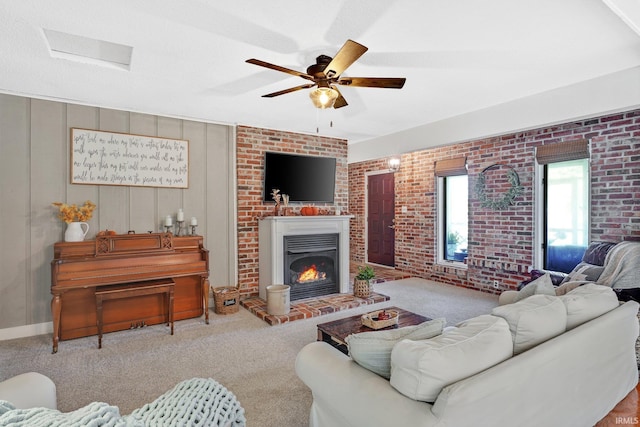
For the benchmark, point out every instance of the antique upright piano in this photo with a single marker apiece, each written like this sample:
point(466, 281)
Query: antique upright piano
point(79, 269)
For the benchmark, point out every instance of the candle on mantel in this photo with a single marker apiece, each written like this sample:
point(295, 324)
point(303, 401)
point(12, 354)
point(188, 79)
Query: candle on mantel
point(194, 221)
point(180, 215)
point(168, 222)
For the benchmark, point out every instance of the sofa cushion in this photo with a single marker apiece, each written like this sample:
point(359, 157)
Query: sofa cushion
point(533, 320)
point(372, 350)
point(588, 302)
point(421, 369)
point(541, 285)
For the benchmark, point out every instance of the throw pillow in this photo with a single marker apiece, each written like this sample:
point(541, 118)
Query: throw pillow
point(584, 272)
point(588, 302)
point(533, 320)
point(542, 285)
point(421, 369)
point(372, 350)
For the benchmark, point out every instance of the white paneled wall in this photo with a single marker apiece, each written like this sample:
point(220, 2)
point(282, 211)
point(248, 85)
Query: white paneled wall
point(34, 172)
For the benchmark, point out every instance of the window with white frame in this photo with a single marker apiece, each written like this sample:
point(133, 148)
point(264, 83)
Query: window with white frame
point(453, 205)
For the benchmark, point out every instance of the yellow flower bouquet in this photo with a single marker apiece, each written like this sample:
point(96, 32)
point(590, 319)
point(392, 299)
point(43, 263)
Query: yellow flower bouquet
point(73, 213)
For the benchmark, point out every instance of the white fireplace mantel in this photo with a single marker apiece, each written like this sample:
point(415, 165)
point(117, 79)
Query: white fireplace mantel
point(271, 244)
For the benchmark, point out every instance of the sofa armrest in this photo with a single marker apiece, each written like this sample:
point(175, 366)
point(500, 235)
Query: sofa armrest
point(346, 394)
point(29, 390)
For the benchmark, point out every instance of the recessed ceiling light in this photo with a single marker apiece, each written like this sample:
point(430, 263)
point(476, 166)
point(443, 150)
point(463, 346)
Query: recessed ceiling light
point(88, 50)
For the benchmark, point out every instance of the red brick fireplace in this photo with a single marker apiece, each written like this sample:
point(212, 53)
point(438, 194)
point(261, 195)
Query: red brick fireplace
point(251, 146)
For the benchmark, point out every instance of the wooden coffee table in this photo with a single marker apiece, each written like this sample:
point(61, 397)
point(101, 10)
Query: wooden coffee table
point(335, 332)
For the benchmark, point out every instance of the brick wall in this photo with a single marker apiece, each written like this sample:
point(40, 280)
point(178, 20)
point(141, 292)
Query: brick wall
point(501, 242)
point(251, 146)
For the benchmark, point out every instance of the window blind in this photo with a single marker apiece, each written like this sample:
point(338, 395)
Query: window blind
point(562, 151)
point(451, 167)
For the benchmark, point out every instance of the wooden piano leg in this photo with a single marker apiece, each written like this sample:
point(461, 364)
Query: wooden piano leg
point(171, 308)
point(205, 299)
point(99, 318)
point(56, 310)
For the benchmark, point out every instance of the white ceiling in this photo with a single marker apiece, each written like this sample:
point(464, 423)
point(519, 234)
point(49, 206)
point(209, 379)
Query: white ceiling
point(188, 60)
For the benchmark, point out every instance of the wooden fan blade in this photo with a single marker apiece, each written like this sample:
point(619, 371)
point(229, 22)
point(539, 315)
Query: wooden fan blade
point(291, 89)
point(383, 82)
point(347, 55)
point(340, 101)
point(279, 68)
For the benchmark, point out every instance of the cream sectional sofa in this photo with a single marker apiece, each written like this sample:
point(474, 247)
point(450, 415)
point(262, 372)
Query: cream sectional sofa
point(543, 361)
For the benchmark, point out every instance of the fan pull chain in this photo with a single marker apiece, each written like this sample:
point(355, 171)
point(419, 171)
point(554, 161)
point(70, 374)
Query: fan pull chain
point(318, 121)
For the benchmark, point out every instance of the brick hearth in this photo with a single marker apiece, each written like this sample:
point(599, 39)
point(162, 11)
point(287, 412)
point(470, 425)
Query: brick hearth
point(318, 306)
point(310, 307)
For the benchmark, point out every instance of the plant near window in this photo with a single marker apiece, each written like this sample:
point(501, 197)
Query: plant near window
point(507, 198)
point(453, 238)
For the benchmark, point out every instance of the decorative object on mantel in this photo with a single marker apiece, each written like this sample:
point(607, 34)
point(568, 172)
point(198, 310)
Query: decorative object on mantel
point(275, 195)
point(507, 198)
point(285, 200)
point(309, 211)
point(362, 287)
point(75, 216)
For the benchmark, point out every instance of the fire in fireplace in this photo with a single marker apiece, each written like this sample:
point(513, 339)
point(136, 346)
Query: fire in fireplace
point(311, 274)
point(311, 265)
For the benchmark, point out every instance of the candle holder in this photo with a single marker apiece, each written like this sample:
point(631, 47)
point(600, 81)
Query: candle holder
point(193, 230)
point(167, 228)
point(180, 224)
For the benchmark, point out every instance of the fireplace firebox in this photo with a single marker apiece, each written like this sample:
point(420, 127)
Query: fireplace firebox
point(311, 266)
point(274, 270)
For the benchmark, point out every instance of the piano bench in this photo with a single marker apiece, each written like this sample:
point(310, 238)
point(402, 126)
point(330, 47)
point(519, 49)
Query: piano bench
point(134, 289)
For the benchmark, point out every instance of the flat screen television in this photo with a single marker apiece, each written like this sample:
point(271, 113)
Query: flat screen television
point(305, 179)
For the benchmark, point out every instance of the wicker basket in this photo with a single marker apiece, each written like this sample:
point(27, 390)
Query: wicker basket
point(371, 319)
point(226, 299)
point(362, 288)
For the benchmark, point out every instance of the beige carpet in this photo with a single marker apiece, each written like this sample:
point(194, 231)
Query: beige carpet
point(252, 359)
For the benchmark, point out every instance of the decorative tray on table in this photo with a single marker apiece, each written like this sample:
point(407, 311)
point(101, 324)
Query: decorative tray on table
point(380, 319)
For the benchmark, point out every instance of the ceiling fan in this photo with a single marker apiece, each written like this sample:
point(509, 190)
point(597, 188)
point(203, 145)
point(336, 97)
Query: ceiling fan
point(325, 74)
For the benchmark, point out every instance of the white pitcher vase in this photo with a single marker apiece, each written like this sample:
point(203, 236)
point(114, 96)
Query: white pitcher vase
point(75, 231)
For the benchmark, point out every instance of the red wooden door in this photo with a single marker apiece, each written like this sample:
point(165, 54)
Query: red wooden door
point(381, 219)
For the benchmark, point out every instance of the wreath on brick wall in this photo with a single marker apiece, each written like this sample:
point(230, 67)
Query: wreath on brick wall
point(507, 198)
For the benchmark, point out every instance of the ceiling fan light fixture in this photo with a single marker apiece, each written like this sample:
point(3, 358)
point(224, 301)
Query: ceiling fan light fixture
point(323, 97)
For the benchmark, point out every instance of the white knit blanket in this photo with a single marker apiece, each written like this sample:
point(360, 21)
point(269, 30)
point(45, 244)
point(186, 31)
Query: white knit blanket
point(96, 414)
point(192, 403)
point(622, 266)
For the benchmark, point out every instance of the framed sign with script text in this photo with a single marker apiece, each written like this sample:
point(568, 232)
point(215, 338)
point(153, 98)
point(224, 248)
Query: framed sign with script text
point(111, 158)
